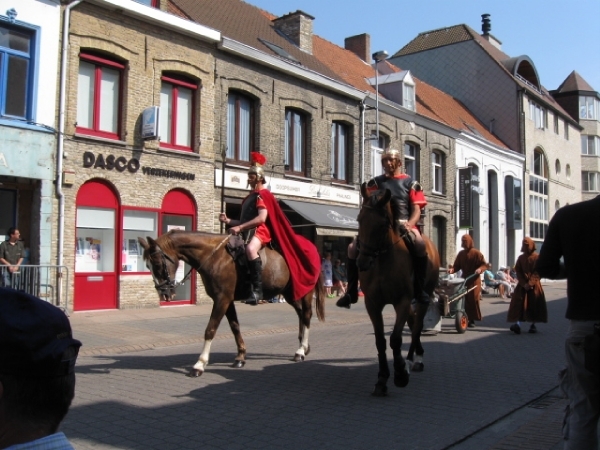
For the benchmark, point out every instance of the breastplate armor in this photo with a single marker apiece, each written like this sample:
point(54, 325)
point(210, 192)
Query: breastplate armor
point(399, 188)
point(249, 209)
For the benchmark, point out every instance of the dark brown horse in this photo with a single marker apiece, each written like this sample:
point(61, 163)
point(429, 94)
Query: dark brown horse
point(386, 278)
point(224, 282)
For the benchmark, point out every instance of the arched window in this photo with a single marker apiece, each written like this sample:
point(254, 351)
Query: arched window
point(99, 96)
point(240, 126)
point(177, 100)
point(437, 172)
point(438, 236)
point(340, 154)
point(538, 196)
point(411, 159)
point(296, 132)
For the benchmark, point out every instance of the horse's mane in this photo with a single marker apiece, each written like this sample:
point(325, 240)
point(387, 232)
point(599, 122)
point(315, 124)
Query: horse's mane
point(166, 241)
point(372, 202)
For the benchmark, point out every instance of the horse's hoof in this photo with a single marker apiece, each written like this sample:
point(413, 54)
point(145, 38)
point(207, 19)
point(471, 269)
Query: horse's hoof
point(194, 373)
point(402, 379)
point(418, 367)
point(380, 390)
point(298, 357)
point(237, 364)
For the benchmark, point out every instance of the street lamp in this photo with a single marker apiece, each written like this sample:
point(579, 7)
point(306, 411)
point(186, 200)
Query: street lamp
point(378, 56)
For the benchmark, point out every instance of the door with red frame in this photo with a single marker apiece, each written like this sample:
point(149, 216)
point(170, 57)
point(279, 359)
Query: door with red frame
point(179, 212)
point(95, 248)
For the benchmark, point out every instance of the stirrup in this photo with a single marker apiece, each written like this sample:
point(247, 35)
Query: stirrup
point(345, 301)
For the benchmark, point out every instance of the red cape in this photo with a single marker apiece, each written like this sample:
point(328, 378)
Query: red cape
point(299, 253)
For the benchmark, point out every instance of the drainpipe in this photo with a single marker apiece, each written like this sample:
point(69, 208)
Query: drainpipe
point(361, 161)
point(61, 133)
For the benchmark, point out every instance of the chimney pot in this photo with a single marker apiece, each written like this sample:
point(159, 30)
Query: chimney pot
point(486, 25)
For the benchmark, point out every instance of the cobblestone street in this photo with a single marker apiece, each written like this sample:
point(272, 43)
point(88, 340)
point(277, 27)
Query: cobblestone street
point(487, 388)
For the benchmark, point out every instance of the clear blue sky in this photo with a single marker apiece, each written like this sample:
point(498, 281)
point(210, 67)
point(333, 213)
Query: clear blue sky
point(558, 36)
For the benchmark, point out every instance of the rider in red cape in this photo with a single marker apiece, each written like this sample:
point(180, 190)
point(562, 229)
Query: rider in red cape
point(299, 253)
point(261, 220)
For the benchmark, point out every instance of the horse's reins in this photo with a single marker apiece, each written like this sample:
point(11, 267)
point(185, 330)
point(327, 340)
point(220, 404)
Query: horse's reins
point(174, 283)
point(373, 251)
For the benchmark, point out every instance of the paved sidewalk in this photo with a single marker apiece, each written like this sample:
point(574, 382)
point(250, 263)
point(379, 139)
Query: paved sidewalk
point(503, 386)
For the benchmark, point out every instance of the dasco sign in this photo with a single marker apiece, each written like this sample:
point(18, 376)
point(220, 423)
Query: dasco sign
point(120, 164)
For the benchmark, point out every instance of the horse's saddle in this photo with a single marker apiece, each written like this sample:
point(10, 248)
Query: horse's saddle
point(236, 247)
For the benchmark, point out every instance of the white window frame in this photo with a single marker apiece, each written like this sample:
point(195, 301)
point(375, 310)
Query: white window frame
point(437, 172)
point(586, 140)
point(538, 115)
point(408, 95)
point(340, 135)
point(589, 108)
point(590, 181)
point(411, 160)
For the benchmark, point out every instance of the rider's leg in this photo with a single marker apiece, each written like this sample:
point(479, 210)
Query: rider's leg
point(420, 260)
point(351, 295)
point(255, 266)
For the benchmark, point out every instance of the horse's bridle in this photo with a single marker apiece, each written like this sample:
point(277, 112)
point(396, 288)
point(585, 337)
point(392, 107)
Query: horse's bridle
point(169, 284)
point(373, 251)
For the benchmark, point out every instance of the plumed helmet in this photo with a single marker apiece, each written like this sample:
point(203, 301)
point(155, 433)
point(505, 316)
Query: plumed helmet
point(258, 161)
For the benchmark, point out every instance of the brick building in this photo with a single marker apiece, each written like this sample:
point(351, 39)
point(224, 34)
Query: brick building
point(131, 169)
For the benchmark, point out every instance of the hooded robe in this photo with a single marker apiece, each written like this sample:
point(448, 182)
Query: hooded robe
point(468, 260)
point(527, 305)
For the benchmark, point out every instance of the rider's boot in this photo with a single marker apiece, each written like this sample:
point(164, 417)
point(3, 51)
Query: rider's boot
point(255, 267)
point(351, 295)
point(420, 274)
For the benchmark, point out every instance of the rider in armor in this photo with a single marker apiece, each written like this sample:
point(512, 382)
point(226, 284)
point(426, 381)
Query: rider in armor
point(407, 202)
point(252, 226)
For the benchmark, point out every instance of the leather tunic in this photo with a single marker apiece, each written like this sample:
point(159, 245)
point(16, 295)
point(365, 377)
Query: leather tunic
point(249, 209)
point(400, 188)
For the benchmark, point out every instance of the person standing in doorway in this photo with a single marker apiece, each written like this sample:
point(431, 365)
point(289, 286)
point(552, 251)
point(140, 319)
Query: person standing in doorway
point(11, 255)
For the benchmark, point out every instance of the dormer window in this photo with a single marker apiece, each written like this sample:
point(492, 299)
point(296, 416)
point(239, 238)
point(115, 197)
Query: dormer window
point(398, 87)
point(408, 96)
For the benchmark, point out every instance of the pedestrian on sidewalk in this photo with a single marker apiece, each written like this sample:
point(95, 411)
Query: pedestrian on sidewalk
point(573, 235)
point(470, 261)
point(327, 270)
point(528, 302)
point(340, 281)
point(37, 372)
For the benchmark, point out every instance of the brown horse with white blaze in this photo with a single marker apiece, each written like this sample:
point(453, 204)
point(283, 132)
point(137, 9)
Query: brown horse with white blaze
point(385, 266)
point(224, 280)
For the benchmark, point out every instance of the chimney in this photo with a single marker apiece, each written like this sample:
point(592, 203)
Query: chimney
point(486, 24)
point(298, 27)
point(486, 27)
point(360, 45)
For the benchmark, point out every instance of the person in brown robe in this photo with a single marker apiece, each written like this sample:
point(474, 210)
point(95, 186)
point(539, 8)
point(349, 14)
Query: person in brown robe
point(470, 261)
point(528, 302)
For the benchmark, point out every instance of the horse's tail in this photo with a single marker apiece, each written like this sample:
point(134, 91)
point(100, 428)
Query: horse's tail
point(319, 292)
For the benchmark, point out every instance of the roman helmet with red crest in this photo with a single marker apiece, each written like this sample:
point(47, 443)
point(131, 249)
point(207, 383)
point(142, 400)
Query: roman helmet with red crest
point(258, 161)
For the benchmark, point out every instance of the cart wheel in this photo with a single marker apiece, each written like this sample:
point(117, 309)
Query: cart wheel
point(462, 321)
